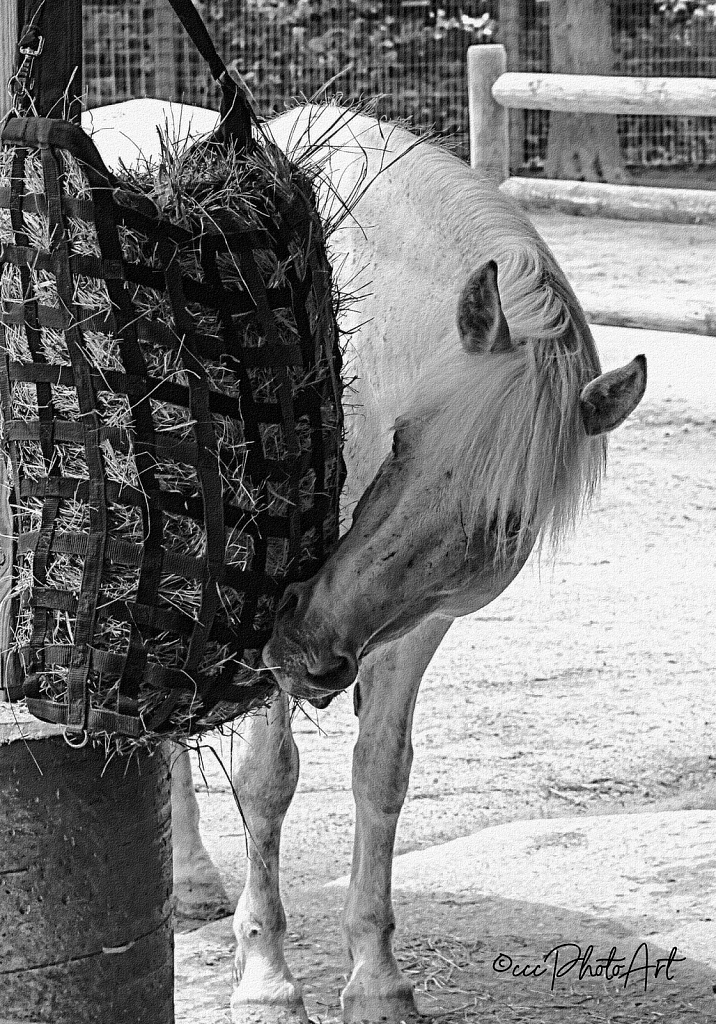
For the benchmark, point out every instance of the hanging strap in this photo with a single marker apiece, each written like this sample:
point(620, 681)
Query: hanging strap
point(30, 45)
point(53, 29)
point(50, 87)
point(236, 113)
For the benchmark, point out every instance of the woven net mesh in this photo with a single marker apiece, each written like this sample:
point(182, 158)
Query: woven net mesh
point(171, 393)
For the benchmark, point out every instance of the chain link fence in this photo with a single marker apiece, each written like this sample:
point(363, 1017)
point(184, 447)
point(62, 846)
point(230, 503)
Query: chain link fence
point(664, 38)
point(408, 56)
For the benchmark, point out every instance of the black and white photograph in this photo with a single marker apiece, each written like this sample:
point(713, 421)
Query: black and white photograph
point(357, 511)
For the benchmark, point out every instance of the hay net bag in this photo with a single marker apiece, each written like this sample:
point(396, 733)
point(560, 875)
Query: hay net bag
point(170, 379)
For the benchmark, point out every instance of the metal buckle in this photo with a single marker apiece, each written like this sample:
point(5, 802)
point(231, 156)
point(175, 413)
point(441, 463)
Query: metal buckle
point(28, 51)
point(75, 739)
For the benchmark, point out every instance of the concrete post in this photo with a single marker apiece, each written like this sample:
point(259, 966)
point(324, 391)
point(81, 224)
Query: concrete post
point(489, 129)
point(86, 867)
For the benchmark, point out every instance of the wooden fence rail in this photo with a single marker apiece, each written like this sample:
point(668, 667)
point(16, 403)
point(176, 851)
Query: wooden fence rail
point(492, 91)
point(607, 94)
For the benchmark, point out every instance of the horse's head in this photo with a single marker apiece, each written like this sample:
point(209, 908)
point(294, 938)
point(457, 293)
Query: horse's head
point(506, 441)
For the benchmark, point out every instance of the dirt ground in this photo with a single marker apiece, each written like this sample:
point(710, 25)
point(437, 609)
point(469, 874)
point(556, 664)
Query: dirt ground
point(586, 689)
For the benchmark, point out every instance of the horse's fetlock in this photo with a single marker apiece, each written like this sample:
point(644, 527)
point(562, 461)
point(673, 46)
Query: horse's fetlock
point(252, 928)
point(368, 936)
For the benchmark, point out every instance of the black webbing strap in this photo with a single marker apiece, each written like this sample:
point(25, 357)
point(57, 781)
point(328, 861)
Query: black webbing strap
point(36, 203)
point(53, 31)
point(265, 318)
point(98, 719)
point(236, 114)
point(318, 273)
point(254, 396)
point(33, 132)
point(44, 400)
point(77, 679)
point(206, 462)
point(143, 426)
point(48, 80)
point(119, 552)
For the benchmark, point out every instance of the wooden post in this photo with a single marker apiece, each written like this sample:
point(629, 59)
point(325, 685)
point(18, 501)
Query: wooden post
point(86, 867)
point(510, 25)
point(489, 133)
point(8, 42)
point(582, 146)
point(165, 69)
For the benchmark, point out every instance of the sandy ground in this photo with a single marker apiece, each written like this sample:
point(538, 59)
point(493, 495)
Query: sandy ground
point(635, 577)
point(586, 689)
point(612, 263)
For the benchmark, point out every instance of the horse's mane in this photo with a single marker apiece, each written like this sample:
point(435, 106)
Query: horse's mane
point(508, 428)
point(509, 424)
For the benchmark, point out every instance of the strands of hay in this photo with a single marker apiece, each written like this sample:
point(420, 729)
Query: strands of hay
point(204, 190)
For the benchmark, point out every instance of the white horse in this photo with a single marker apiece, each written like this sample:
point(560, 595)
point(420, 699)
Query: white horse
point(477, 365)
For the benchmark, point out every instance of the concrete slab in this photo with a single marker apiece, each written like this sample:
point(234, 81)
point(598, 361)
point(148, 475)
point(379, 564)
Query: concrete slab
point(17, 725)
point(653, 873)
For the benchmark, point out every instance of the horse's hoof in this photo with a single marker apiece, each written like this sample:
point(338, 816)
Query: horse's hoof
point(390, 1009)
point(268, 1013)
point(202, 901)
point(266, 994)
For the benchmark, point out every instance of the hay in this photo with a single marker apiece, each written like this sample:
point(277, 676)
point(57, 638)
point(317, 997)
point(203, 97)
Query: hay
point(206, 190)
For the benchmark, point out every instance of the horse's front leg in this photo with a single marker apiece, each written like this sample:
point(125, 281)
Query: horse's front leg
point(387, 689)
point(198, 889)
point(265, 779)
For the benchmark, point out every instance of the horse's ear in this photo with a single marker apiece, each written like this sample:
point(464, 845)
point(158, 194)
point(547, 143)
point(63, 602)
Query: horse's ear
point(609, 399)
point(480, 319)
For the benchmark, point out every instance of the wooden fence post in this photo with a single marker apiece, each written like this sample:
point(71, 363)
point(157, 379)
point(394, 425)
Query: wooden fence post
point(86, 867)
point(489, 131)
point(510, 28)
point(8, 42)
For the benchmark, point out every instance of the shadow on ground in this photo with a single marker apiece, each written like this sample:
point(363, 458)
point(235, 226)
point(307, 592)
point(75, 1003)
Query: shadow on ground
point(450, 947)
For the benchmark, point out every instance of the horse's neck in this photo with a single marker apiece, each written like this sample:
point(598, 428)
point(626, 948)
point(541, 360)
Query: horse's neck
point(408, 314)
point(387, 250)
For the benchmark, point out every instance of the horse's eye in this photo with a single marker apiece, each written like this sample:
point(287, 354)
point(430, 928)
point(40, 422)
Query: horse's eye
point(396, 442)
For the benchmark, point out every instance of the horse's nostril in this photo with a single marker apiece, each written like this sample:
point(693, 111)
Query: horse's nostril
point(345, 667)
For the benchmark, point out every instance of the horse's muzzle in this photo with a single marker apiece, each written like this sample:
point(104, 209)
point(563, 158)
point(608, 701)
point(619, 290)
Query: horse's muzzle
point(317, 683)
point(307, 661)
